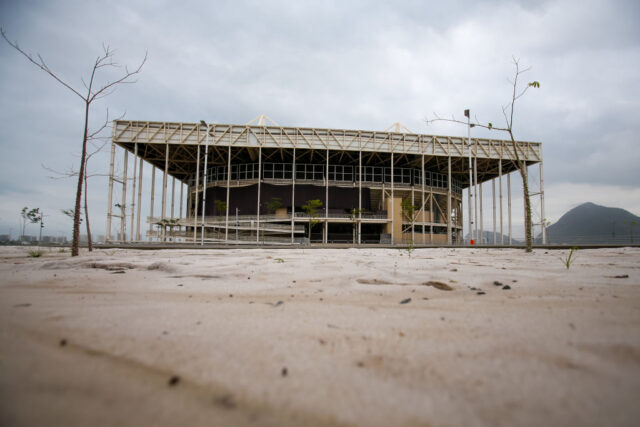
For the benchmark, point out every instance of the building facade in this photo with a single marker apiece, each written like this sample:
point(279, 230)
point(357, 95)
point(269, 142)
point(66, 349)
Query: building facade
point(272, 184)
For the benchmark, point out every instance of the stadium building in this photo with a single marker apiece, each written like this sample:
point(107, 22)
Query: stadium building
point(266, 183)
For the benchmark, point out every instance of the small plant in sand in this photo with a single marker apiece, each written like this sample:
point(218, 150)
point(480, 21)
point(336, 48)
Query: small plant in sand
point(410, 248)
point(35, 253)
point(279, 260)
point(568, 260)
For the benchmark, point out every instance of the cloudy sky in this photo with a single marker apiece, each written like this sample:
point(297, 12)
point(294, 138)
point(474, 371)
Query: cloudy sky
point(342, 64)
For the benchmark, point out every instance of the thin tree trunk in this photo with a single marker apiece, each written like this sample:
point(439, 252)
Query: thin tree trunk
point(86, 214)
point(76, 213)
point(527, 202)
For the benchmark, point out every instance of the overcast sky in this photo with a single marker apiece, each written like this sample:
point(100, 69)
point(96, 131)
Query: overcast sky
point(342, 64)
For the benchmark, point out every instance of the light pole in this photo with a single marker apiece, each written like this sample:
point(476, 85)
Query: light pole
point(470, 195)
point(204, 185)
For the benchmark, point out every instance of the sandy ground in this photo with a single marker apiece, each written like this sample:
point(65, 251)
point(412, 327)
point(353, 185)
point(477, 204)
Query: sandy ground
point(320, 337)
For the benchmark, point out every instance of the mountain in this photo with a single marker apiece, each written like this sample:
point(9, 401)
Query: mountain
point(591, 223)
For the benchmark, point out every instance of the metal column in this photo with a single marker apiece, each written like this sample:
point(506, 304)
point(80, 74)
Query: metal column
point(173, 195)
point(481, 218)
point(431, 215)
point(204, 184)
point(393, 219)
point(359, 193)
point(258, 208)
point(181, 197)
point(195, 195)
point(325, 237)
point(110, 196)
point(153, 193)
point(475, 192)
point(543, 219)
point(449, 240)
point(470, 190)
point(123, 211)
point(226, 221)
point(413, 203)
point(133, 192)
point(509, 205)
point(424, 234)
point(501, 208)
point(139, 200)
point(164, 190)
point(493, 197)
point(293, 197)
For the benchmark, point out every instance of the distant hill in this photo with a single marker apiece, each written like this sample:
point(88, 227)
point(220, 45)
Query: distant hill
point(591, 223)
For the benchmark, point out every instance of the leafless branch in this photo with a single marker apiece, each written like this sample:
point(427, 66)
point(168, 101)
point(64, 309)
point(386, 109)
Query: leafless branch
point(438, 118)
point(40, 64)
point(124, 79)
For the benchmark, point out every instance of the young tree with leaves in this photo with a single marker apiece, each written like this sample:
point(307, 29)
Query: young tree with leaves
point(311, 208)
point(93, 91)
point(409, 212)
point(508, 111)
point(32, 216)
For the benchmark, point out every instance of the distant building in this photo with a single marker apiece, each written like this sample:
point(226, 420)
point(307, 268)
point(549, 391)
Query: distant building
point(4, 238)
point(54, 239)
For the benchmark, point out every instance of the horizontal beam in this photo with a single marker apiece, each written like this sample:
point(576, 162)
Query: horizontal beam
point(185, 134)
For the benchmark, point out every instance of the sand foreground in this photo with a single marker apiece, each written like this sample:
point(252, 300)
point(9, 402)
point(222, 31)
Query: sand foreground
point(320, 337)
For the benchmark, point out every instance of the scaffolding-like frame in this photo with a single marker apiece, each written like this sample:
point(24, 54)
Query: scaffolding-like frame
point(176, 150)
